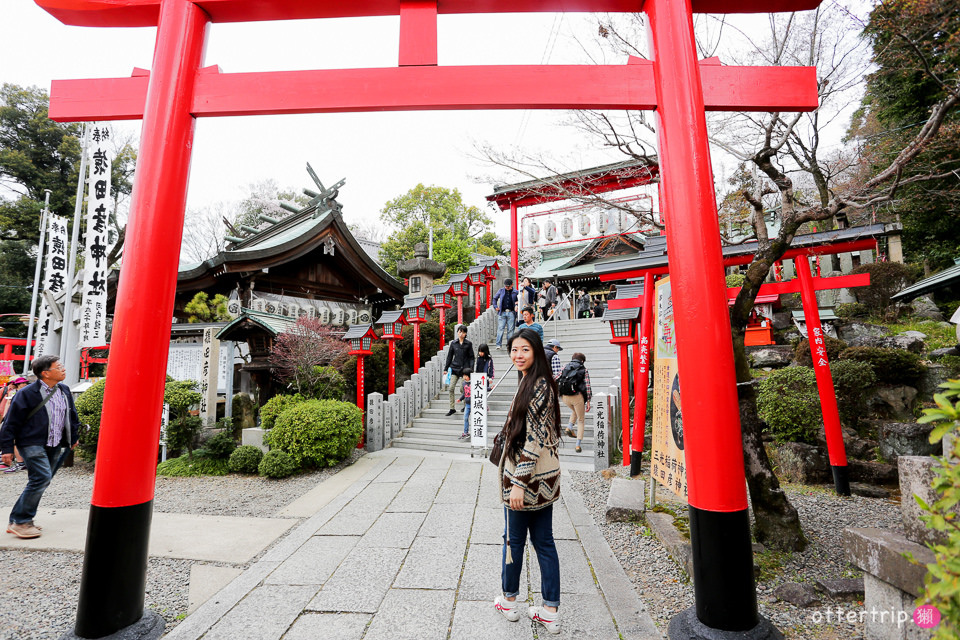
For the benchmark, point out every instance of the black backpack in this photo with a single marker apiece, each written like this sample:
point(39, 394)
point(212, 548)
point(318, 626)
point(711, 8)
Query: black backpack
point(571, 379)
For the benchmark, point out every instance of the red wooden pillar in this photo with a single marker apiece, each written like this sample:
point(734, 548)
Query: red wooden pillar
point(459, 309)
point(443, 317)
point(360, 390)
point(514, 244)
point(719, 524)
point(7, 352)
point(821, 368)
point(625, 401)
point(642, 381)
point(416, 347)
point(118, 531)
point(392, 367)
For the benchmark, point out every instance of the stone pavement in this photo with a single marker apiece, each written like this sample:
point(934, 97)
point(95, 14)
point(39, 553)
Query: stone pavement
point(411, 549)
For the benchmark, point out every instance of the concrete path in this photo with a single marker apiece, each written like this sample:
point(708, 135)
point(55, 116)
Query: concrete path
point(411, 549)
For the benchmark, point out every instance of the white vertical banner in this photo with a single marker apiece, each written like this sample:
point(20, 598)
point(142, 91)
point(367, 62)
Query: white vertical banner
point(208, 377)
point(54, 280)
point(478, 410)
point(93, 306)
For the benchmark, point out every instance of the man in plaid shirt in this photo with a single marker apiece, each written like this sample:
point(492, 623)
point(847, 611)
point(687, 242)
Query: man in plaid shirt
point(553, 350)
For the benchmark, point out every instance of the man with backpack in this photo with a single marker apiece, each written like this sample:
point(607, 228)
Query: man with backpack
point(505, 302)
point(575, 391)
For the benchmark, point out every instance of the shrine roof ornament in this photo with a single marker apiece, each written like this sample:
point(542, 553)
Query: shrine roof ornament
point(144, 13)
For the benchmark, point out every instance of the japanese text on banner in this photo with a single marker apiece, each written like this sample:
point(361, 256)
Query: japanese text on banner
point(93, 306)
point(478, 410)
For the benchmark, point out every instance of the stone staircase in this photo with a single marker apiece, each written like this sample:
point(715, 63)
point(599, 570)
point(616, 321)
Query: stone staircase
point(433, 430)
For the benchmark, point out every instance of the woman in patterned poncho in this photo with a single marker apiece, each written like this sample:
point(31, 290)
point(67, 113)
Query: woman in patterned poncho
point(530, 481)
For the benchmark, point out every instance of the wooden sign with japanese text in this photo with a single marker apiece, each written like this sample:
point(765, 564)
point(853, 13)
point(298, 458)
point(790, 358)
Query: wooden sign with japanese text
point(667, 461)
point(93, 307)
point(478, 410)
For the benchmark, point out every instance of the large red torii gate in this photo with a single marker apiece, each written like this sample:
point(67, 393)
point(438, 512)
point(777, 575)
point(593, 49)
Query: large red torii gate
point(177, 90)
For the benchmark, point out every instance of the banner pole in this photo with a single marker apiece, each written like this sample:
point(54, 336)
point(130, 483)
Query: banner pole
point(36, 281)
point(69, 352)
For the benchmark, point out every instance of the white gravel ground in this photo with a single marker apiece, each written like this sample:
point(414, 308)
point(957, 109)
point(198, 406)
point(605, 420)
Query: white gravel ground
point(666, 591)
point(38, 593)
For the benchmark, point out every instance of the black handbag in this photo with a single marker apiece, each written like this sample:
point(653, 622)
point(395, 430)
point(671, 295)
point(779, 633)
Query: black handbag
point(496, 452)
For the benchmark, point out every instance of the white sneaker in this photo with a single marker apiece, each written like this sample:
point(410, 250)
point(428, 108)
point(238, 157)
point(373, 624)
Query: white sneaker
point(510, 610)
point(549, 619)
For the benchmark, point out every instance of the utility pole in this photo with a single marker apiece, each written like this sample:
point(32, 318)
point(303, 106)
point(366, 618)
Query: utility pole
point(36, 281)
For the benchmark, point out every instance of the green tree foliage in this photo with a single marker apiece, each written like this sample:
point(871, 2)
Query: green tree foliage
point(886, 279)
point(317, 433)
point(458, 229)
point(17, 262)
point(890, 366)
point(202, 309)
point(916, 45)
point(276, 405)
point(182, 431)
point(37, 153)
point(941, 585)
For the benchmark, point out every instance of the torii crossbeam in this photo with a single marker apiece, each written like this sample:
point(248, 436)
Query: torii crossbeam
point(177, 90)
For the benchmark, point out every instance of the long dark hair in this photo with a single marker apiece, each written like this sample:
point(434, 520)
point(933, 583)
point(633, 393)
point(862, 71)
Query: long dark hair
point(516, 427)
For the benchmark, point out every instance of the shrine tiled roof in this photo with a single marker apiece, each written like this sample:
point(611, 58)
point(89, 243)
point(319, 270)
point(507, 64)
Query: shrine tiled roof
point(270, 322)
point(948, 277)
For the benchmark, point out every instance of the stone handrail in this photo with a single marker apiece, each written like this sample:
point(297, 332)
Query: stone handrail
point(386, 418)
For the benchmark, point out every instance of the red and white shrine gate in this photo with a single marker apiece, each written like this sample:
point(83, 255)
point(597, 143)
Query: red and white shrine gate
point(178, 89)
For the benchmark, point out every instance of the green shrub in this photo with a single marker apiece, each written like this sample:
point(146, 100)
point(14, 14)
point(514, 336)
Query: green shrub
point(327, 383)
point(852, 310)
point(193, 466)
point(275, 406)
point(317, 433)
point(941, 584)
point(277, 464)
point(886, 279)
point(852, 380)
point(245, 459)
point(220, 445)
point(183, 429)
point(90, 410)
point(890, 366)
point(788, 403)
point(735, 279)
point(801, 351)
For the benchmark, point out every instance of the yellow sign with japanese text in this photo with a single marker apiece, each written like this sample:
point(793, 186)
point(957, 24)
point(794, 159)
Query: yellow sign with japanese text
point(667, 458)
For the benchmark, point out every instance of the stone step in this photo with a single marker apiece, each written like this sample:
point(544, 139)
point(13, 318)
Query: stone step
point(448, 425)
point(463, 446)
point(451, 433)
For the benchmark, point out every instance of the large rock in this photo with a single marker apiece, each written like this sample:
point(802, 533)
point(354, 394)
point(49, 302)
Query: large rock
point(924, 307)
point(911, 341)
point(625, 502)
point(862, 334)
point(800, 595)
point(894, 402)
point(773, 356)
point(916, 479)
point(945, 351)
point(933, 376)
point(904, 439)
point(841, 588)
point(782, 319)
point(803, 463)
point(871, 472)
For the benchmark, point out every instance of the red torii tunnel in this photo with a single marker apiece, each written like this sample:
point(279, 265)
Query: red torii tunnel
point(177, 90)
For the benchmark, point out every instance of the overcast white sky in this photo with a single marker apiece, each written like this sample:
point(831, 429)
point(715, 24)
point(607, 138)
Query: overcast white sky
point(381, 155)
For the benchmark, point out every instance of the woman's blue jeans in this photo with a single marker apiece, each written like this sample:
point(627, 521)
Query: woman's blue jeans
point(540, 525)
point(42, 463)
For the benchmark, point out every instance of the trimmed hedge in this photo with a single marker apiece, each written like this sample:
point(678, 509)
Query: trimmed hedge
point(788, 403)
point(890, 366)
point(801, 352)
point(275, 406)
point(90, 410)
point(317, 433)
point(185, 466)
point(245, 459)
point(277, 464)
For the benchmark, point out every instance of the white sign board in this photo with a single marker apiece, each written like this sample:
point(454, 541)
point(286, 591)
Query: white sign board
point(93, 307)
point(54, 280)
point(184, 363)
point(478, 410)
point(208, 376)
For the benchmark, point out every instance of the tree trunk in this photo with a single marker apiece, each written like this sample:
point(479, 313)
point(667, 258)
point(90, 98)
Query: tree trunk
point(776, 522)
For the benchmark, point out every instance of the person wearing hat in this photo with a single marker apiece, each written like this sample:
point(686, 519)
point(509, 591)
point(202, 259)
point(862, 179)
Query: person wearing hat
point(505, 302)
point(6, 397)
point(552, 350)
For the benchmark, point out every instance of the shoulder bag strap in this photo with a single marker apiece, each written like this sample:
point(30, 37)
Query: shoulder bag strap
point(37, 408)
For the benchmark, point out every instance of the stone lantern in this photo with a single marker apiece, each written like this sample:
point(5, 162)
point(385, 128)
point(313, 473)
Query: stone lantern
point(421, 271)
